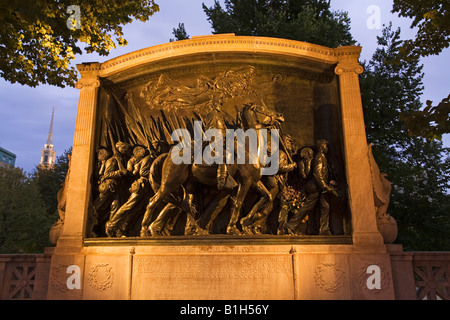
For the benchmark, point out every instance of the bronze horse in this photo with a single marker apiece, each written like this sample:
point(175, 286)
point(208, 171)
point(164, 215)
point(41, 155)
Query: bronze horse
point(175, 177)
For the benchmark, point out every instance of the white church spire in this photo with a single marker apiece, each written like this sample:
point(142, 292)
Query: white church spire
point(48, 154)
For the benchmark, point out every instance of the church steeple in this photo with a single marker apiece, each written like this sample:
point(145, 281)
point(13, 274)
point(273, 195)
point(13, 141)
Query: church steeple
point(50, 131)
point(48, 154)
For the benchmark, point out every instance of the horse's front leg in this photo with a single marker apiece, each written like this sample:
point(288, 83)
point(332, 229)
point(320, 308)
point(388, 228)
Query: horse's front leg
point(240, 197)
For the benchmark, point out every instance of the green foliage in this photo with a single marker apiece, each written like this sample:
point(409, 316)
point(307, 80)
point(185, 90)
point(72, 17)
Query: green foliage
point(50, 180)
point(431, 122)
point(28, 206)
point(432, 18)
point(36, 44)
point(180, 33)
point(305, 20)
point(418, 169)
point(24, 223)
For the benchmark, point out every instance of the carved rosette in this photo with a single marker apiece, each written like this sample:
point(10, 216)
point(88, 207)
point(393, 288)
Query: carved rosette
point(21, 282)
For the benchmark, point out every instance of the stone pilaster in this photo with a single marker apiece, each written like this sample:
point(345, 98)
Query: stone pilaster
point(356, 153)
point(82, 155)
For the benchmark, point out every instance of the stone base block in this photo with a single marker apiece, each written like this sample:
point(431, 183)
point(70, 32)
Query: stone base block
point(215, 273)
point(222, 272)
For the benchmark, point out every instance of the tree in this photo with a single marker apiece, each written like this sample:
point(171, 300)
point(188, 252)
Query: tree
point(28, 206)
point(305, 20)
point(431, 122)
point(432, 18)
point(38, 39)
point(24, 223)
point(180, 33)
point(50, 179)
point(418, 169)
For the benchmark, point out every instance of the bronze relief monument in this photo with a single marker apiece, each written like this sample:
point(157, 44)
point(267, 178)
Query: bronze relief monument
point(221, 167)
point(186, 157)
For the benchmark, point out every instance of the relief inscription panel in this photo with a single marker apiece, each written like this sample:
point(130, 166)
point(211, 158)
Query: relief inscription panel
point(212, 277)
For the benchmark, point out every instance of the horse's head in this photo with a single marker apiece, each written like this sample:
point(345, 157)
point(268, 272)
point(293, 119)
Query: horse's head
point(257, 116)
point(273, 118)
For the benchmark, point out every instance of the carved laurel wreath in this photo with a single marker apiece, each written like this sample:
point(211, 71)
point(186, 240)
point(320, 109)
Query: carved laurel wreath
point(329, 277)
point(107, 276)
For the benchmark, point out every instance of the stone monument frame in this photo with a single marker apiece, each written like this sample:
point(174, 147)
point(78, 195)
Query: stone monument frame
point(330, 268)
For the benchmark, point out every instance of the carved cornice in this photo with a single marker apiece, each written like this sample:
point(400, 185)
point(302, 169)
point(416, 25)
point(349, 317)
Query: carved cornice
point(88, 67)
point(223, 43)
point(352, 52)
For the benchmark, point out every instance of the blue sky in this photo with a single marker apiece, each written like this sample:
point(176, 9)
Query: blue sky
point(25, 112)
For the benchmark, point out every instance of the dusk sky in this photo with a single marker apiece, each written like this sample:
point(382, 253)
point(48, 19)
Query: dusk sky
point(25, 112)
